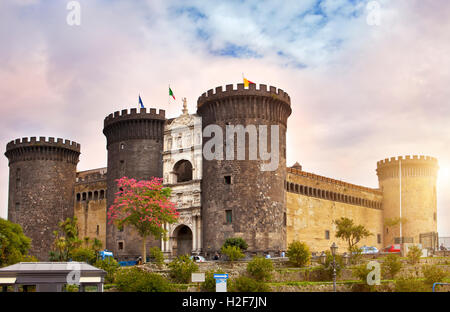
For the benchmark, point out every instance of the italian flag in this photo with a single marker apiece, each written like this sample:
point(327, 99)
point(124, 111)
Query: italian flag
point(171, 93)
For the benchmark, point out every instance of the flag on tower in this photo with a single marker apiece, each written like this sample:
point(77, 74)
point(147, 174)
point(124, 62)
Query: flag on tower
point(247, 82)
point(140, 102)
point(171, 93)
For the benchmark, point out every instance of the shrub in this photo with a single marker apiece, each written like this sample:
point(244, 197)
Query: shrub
point(355, 254)
point(236, 241)
point(210, 282)
point(232, 252)
point(247, 284)
point(260, 268)
point(181, 269)
point(157, 256)
point(391, 266)
point(361, 272)
point(298, 253)
point(110, 266)
point(28, 258)
point(409, 284)
point(328, 269)
point(136, 280)
point(433, 274)
point(84, 255)
point(414, 254)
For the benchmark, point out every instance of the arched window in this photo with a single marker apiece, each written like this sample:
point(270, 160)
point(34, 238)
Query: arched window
point(95, 195)
point(183, 171)
point(102, 194)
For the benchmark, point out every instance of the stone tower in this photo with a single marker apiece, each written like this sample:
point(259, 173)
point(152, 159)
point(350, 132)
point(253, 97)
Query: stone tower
point(41, 187)
point(135, 145)
point(240, 199)
point(417, 200)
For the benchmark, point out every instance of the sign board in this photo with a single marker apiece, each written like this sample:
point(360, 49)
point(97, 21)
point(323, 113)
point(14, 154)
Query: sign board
point(198, 277)
point(221, 282)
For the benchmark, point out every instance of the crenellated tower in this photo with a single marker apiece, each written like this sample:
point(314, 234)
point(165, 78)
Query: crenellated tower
point(409, 192)
point(242, 197)
point(41, 187)
point(135, 146)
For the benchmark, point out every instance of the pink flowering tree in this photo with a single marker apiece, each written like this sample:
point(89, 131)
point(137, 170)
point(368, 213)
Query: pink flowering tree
point(144, 205)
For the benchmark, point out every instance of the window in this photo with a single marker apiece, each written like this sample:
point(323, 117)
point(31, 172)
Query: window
point(98, 229)
point(327, 234)
point(84, 196)
point(229, 216)
point(379, 238)
point(227, 179)
point(120, 245)
point(284, 219)
point(17, 206)
point(78, 197)
point(183, 171)
point(122, 146)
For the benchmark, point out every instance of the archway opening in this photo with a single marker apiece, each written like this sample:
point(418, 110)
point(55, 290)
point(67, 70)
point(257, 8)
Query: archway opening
point(183, 171)
point(183, 240)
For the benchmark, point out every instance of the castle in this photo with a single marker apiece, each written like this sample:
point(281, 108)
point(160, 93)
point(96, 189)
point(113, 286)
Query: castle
point(216, 198)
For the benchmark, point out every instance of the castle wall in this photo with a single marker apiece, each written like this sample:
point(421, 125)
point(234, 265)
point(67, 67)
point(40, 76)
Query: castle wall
point(238, 198)
point(314, 203)
point(41, 184)
point(134, 144)
point(418, 199)
point(90, 204)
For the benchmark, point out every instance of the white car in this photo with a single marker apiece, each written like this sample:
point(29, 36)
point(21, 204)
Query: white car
point(368, 250)
point(197, 258)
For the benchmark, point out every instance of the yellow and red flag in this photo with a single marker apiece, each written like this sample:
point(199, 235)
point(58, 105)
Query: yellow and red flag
point(247, 82)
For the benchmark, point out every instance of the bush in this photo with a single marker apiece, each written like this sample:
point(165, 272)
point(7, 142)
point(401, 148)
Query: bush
point(409, 284)
point(361, 272)
point(355, 254)
point(236, 241)
point(391, 266)
point(232, 252)
point(157, 256)
point(247, 284)
point(136, 280)
point(181, 269)
point(298, 253)
point(110, 266)
point(414, 254)
point(210, 282)
point(327, 267)
point(433, 274)
point(84, 255)
point(260, 268)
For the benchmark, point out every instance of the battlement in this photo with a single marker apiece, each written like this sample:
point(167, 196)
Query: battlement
point(333, 181)
point(43, 141)
point(135, 114)
point(239, 89)
point(418, 159)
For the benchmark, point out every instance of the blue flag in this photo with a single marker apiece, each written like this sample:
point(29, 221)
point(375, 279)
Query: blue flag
point(140, 101)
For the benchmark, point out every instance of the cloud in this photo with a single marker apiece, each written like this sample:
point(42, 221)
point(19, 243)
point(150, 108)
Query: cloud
point(359, 93)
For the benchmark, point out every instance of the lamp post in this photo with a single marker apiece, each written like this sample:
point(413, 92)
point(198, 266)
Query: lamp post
point(334, 248)
point(323, 258)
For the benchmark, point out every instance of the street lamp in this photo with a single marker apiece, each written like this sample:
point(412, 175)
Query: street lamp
point(346, 258)
point(323, 258)
point(334, 249)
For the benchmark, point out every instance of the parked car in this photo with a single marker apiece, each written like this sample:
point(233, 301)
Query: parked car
point(368, 250)
point(197, 258)
point(395, 248)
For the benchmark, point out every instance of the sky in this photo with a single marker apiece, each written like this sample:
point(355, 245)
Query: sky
point(367, 81)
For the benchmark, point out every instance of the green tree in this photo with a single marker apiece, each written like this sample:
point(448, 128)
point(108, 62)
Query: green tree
point(298, 253)
point(210, 282)
point(181, 269)
point(136, 280)
point(157, 256)
point(66, 240)
point(83, 254)
point(236, 241)
point(414, 254)
point(260, 268)
point(247, 284)
point(14, 244)
point(110, 266)
point(391, 266)
point(350, 232)
point(232, 252)
point(146, 206)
